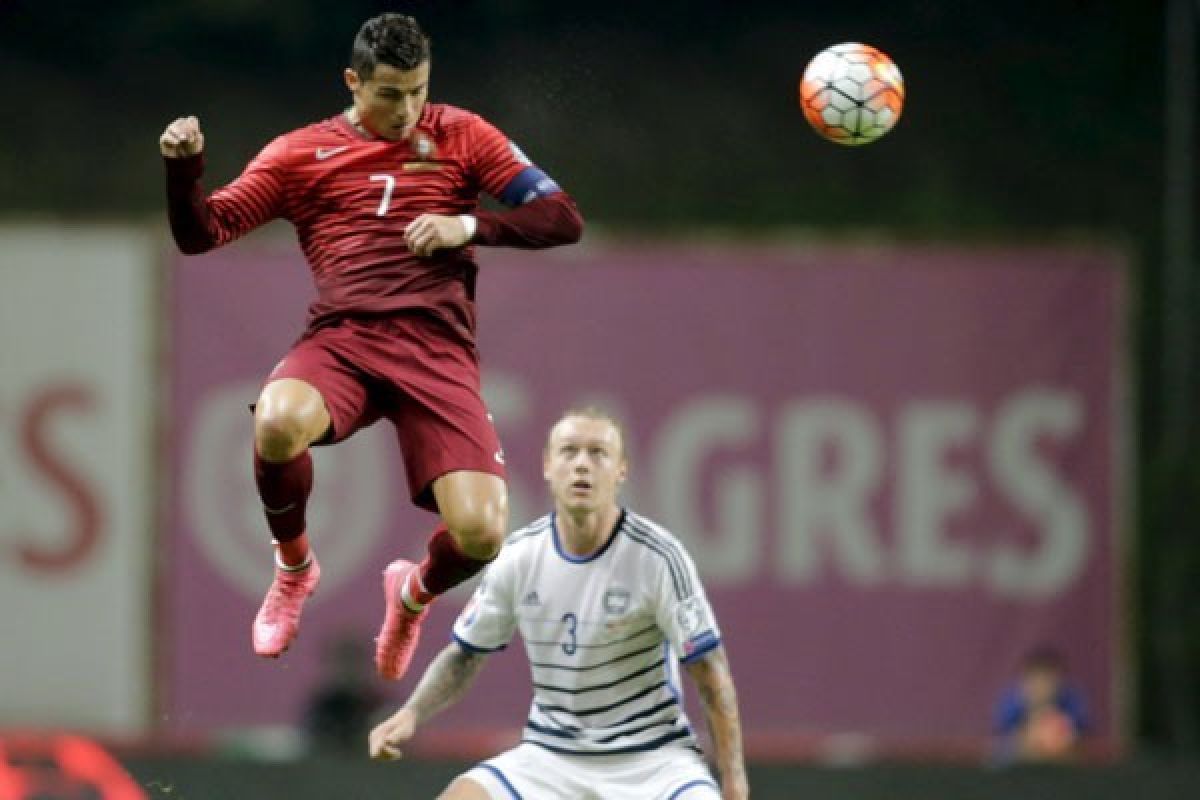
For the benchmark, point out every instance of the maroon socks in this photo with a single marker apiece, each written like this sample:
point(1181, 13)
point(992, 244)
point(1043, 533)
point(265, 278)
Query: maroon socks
point(445, 567)
point(284, 488)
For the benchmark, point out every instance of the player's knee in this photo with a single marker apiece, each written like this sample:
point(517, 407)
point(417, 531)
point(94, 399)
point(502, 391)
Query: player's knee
point(480, 531)
point(279, 437)
point(289, 416)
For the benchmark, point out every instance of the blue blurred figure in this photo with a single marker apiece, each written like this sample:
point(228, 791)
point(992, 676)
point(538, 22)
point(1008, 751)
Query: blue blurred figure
point(1041, 717)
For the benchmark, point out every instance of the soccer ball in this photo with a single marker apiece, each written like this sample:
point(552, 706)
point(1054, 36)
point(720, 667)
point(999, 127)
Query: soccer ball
point(852, 93)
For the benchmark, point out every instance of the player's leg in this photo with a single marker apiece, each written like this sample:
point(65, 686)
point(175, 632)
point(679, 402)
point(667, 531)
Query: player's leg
point(454, 466)
point(526, 771)
point(289, 416)
point(310, 397)
point(698, 789)
point(668, 773)
point(474, 511)
point(463, 788)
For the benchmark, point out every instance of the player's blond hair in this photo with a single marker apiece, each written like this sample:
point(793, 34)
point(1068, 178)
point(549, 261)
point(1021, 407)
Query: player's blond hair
point(593, 413)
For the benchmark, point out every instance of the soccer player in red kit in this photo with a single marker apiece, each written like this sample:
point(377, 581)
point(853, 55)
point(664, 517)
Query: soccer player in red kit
point(384, 200)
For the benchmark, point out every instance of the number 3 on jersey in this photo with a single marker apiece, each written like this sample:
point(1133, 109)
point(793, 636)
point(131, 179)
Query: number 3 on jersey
point(569, 647)
point(389, 183)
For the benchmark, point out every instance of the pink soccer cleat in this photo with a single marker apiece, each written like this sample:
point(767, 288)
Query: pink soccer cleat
point(397, 640)
point(278, 620)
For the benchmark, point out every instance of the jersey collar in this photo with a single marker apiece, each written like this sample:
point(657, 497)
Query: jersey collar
point(590, 556)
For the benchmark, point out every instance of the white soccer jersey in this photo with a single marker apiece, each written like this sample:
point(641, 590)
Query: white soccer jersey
point(604, 634)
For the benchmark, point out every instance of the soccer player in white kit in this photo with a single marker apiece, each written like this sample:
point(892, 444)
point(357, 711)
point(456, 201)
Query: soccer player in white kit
point(608, 604)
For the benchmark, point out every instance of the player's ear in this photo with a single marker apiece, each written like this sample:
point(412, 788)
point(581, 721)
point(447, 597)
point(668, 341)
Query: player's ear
point(353, 82)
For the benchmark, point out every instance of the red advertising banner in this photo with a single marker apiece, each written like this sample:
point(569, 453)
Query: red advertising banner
point(897, 469)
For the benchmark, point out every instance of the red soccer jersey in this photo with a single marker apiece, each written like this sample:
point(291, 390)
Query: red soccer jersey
point(350, 197)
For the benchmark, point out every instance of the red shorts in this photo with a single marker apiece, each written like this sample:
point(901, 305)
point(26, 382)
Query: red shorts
point(413, 371)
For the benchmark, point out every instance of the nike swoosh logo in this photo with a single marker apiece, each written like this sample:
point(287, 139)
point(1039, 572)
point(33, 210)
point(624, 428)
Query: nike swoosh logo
point(328, 152)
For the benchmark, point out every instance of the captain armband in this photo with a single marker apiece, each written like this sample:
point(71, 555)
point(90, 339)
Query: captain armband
point(529, 184)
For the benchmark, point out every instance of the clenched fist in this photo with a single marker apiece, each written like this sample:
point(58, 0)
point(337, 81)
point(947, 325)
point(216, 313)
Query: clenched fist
point(182, 138)
point(430, 232)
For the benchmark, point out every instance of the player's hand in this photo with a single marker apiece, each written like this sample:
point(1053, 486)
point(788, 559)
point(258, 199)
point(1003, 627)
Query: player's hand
point(430, 232)
point(388, 737)
point(182, 138)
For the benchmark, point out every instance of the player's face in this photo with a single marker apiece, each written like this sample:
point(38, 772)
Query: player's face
point(584, 463)
point(389, 103)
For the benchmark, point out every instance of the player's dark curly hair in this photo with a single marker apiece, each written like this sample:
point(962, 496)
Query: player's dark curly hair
point(393, 39)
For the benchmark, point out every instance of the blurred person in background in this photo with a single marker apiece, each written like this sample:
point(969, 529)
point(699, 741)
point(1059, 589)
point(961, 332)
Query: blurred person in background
point(608, 604)
point(384, 199)
point(343, 703)
point(1040, 717)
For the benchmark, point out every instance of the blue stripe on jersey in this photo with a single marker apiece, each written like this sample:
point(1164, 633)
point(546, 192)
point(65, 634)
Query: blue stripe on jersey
point(642, 729)
point(532, 529)
point(474, 648)
point(649, 712)
point(562, 733)
point(679, 574)
point(693, 785)
point(638, 748)
point(529, 183)
point(500, 777)
point(548, 665)
point(568, 733)
point(600, 686)
point(674, 549)
point(557, 642)
point(584, 712)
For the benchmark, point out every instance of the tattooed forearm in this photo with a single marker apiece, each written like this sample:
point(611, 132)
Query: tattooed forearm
point(715, 685)
point(445, 681)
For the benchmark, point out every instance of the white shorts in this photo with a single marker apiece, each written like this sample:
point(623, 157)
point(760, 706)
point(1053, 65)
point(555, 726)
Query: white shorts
point(529, 772)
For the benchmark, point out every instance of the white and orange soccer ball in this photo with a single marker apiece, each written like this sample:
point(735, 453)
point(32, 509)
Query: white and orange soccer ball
point(852, 93)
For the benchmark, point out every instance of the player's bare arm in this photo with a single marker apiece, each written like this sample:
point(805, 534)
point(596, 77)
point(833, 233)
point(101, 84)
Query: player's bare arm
point(715, 685)
point(444, 683)
point(182, 138)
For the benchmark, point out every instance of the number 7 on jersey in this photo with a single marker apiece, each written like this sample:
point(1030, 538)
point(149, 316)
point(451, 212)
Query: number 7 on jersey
point(389, 183)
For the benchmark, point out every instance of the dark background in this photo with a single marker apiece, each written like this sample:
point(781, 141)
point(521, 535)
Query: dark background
point(1025, 121)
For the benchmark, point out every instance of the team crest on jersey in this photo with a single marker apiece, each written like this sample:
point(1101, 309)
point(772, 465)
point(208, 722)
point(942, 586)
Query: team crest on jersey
point(616, 601)
point(690, 616)
point(423, 146)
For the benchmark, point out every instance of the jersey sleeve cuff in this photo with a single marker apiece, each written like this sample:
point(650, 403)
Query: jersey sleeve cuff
point(704, 646)
point(470, 224)
point(474, 648)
